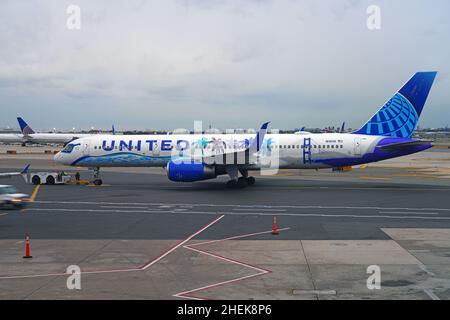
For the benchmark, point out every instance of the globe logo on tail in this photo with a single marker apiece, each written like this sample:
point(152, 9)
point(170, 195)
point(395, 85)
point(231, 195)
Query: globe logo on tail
point(397, 118)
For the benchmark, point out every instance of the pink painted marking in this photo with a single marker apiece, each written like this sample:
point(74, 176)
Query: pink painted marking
point(189, 294)
point(144, 267)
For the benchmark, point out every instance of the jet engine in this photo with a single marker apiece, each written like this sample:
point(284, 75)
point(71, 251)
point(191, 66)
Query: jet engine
point(181, 171)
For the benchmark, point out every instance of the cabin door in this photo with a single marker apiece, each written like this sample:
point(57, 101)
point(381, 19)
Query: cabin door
point(357, 147)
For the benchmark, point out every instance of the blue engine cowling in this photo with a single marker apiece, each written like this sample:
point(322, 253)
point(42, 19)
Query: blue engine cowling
point(189, 171)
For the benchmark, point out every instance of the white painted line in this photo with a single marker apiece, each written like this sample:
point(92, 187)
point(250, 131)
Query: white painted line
point(409, 212)
point(261, 271)
point(243, 206)
point(124, 207)
point(152, 262)
point(185, 294)
point(272, 210)
point(425, 269)
point(431, 294)
point(242, 264)
point(313, 292)
point(250, 213)
point(144, 267)
point(236, 237)
point(65, 274)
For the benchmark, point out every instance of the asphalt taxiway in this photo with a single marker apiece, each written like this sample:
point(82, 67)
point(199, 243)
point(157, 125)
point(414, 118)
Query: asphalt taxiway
point(142, 236)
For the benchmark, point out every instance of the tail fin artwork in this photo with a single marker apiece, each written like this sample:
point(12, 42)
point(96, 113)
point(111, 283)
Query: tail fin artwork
point(259, 139)
point(25, 170)
point(24, 127)
point(400, 115)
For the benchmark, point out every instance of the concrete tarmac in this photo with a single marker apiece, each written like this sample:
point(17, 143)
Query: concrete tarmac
point(140, 236)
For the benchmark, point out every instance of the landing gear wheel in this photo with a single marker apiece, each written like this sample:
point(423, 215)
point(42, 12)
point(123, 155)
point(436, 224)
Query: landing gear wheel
point(232, 184)
point(36, 180)
point(50, 180)
point(250, 181)
point(97, 180)
point(242, 182)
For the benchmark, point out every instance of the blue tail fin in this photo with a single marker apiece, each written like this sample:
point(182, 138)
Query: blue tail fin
point(24, 127)
point(400, 115)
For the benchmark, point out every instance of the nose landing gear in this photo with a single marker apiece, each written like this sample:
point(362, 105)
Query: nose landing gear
point(97, 180)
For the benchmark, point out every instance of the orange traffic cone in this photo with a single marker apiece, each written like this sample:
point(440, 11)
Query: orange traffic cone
point(275, 230)
point(27, 248)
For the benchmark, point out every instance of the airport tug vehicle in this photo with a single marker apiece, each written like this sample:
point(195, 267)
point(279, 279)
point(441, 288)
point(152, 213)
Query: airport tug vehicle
point(49, 178)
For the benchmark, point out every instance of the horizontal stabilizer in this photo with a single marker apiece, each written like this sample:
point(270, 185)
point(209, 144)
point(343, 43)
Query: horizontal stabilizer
point(402, 145)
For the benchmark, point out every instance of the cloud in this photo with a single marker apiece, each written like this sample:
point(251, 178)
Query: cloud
point(232, 63)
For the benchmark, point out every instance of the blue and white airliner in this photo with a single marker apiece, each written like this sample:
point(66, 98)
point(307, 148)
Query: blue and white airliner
point(196, 157)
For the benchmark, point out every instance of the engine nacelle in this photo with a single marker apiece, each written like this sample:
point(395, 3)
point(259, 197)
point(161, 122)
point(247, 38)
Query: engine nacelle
point(189, 171)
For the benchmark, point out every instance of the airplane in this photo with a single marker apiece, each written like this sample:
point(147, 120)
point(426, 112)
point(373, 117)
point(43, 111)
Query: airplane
point(197, 157)
point(11, 138)
point(13, 174)
point(29, 136)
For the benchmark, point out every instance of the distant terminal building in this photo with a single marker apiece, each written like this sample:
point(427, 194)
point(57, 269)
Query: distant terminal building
point(9, 130)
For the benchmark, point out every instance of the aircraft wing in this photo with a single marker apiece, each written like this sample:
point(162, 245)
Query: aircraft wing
point(401, 145)
point(13, 174)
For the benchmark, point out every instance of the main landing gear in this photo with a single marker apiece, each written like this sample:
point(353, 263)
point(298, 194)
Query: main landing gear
point(97, 180)
point(239, 182)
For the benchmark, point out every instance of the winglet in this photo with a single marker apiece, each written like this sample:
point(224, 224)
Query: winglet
point(258, 141)
point(24, 127)
point(25, 170)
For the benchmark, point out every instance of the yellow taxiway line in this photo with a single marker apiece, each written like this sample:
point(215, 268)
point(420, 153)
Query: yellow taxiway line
point(34, 194)
point(375, 178)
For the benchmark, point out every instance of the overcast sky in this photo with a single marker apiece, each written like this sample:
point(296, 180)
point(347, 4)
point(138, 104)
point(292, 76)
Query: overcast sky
point(163, 64)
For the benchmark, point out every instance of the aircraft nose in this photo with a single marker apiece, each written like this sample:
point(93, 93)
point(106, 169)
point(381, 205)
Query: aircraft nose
point(57, 157)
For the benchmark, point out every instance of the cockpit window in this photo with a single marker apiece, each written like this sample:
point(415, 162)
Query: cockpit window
point(69, 148)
